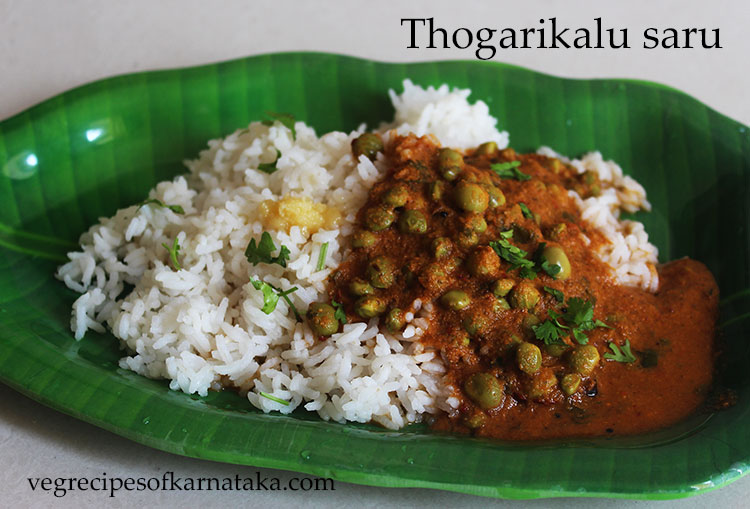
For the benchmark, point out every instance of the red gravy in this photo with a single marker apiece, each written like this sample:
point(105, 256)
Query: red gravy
point(513, 380)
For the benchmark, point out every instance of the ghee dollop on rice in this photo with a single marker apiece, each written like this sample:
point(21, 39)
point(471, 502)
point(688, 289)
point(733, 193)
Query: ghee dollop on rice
point(299, 211)
point(202, 327)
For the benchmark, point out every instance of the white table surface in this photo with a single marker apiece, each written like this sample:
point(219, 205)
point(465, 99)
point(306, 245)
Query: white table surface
point(47, 47)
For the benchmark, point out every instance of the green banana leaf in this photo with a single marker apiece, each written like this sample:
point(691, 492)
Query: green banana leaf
point(89, 151)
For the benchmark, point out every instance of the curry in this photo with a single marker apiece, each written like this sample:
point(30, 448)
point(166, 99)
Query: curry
point(538, 339)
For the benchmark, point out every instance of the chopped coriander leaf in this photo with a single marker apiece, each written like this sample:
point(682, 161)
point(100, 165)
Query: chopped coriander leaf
point(580, 314)
point(270, 297)
point(174, 252)
point(177, 209)
point(274, 398)
point(551, 269)
point(555, 316)
point(513, 254)
point(621, 354)
point(339, 315)
point(322, 256)
point(284, 293)
point(509, 170)
point(508, 165)
point(525, 211)
point(285, 296)
point(557, 294)
point(286, 119)
point(549, 332)
point(269, 168)
point(579, 311)
point(599, 323)
point(261, 253)
point(517, 257)
point(578, 318)
point(527, 272)
point(580, 336)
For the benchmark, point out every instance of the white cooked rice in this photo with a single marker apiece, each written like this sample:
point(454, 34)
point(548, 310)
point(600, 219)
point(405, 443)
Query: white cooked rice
point(202, 327)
